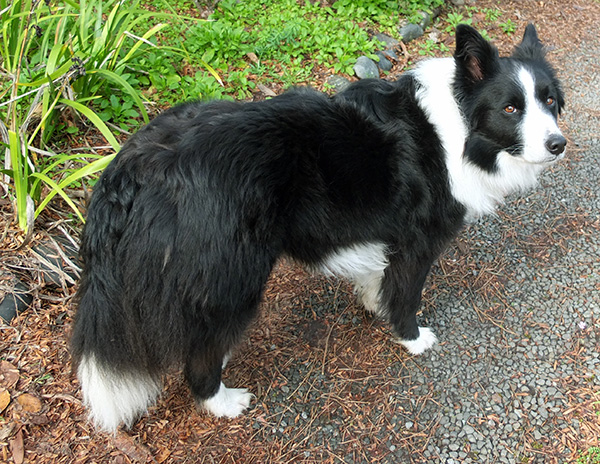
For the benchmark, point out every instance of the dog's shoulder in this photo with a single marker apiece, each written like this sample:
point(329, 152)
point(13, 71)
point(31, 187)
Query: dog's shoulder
point(385, 101)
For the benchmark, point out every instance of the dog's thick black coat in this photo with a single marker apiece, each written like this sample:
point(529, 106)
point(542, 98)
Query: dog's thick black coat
point(186, 223)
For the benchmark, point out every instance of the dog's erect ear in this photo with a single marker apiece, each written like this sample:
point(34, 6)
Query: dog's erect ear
point(530, 47)
point(475, 56)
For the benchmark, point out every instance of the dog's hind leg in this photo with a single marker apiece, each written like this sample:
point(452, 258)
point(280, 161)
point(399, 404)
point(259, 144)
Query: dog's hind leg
point(233, 296)
point(401, 289)
point(368, 288)
point(203, 374)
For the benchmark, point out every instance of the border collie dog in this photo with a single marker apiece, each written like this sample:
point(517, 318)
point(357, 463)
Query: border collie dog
point(187, 222)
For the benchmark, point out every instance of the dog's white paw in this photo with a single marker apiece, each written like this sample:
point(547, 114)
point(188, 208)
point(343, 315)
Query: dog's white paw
point(425, 341)
point(228, 402)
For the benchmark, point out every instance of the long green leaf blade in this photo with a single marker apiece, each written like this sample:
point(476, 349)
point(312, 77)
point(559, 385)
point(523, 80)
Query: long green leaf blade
point(95, 119)
point(55, 190)
point(19, 178)
point(88, 170)
point(127, 86)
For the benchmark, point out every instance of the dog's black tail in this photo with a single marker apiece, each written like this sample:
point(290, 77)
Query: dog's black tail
point(109, 355)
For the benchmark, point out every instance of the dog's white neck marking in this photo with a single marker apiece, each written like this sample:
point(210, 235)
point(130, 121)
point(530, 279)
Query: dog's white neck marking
point(478, 190)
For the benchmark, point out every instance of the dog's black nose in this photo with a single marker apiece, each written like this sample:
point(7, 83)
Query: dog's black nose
point(556, 144)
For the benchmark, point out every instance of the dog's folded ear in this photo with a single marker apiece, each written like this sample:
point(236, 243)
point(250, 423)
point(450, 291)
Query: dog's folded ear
point(476, 57)
point(530, 47)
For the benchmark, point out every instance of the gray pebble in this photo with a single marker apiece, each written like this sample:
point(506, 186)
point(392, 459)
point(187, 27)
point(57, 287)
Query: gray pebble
point(410, 32)
point(389, 42)
point(365, 68)
point(338, 83)
point(384, 64)
point(426, 21)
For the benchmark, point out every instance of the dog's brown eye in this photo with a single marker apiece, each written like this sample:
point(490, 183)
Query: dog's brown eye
point(550, 101)
point(510, 109)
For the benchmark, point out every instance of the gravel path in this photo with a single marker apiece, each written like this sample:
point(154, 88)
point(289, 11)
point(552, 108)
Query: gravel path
point(502, 381)
point(553, 302)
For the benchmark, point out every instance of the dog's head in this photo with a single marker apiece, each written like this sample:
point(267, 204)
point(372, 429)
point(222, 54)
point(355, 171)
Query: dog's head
point(511, 104)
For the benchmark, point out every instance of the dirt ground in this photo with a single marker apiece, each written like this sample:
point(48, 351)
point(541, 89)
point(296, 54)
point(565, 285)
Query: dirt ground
point(42, 419)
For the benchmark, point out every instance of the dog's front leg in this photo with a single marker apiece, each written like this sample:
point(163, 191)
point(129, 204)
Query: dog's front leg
point(400, 299)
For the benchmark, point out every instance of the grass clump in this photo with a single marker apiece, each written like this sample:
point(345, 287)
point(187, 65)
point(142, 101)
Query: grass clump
point(68, 66)
point(59, 61)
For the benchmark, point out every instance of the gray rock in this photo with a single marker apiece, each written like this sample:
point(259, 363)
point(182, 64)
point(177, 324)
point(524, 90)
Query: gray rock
point(15, 301)
point(338, 83)
point(384, 64)
point(410, 32)
point(390, 54)
point(389, 42)
point(436, 12)
point(365, 68)
point(57, 258)
point(426, 21)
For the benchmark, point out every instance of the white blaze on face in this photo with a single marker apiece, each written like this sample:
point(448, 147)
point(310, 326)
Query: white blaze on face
point(538, 123)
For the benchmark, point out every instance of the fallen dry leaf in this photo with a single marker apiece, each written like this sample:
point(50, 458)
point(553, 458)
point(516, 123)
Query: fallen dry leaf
point(4, 400)
point(17, 449)
point(266, 90)
point(134, 451)
point(162, 456)
point(9, 374)
point(30, 403)
point(6, 431)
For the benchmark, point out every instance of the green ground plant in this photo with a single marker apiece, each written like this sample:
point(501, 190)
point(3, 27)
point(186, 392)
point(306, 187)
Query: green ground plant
point(454, 19)
point(508, 26)
point(289, 37)
point(592, 456)
point(59, 62)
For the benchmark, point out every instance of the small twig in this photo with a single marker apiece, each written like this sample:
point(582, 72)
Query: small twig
point(39, 151)
point(93, 149)
point(32, 109)
point(62, 254)
point(64, 277)
point(56, 299)
point(405, 54)
point(62, 396)
point(123, 131)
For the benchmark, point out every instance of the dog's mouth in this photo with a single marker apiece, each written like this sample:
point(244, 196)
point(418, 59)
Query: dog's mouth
point(553, 151)
point(546, 160)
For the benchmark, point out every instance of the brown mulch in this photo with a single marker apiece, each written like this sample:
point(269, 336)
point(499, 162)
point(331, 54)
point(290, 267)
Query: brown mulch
point(42, 419)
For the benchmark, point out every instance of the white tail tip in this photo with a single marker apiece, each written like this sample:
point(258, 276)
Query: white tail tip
point(113, 397)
